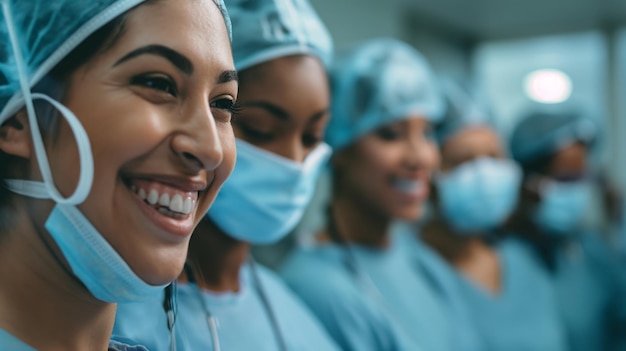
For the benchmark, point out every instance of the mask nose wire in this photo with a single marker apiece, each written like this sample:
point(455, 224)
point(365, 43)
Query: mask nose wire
point(82, 140)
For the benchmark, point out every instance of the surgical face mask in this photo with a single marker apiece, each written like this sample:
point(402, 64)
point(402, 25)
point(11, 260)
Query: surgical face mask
point(562, 205)
point(478, 195)
point(266, 195)
point(90, 257)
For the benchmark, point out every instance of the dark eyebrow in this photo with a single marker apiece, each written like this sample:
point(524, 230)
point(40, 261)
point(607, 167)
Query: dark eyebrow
point(317, 116)
point(177, 59)
point(274, 110)
point(279, 112)
point(228, 76)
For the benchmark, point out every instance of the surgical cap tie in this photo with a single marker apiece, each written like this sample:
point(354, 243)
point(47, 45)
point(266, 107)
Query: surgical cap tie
point(84, 147)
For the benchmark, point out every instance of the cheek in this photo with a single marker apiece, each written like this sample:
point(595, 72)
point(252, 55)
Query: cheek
point(227, 139)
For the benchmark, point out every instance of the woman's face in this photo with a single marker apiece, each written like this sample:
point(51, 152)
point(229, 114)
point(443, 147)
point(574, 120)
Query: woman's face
point(285, 105)
point(470, 144)
point(389, 169)
point(156, 107)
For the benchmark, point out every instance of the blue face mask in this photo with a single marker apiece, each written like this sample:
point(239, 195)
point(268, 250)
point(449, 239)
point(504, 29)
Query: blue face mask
point(562, 205)
point(266, 195)
point(479, 195)
point(90, 257)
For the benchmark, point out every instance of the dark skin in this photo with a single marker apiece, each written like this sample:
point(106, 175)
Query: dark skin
point(469, 254)
point(365, 200)
point(285, 109)
point(567, 164)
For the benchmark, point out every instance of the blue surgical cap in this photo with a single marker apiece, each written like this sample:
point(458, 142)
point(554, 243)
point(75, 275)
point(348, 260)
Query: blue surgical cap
point(382, 81)
point(541, 134)
point(462, 111)
point(47, 31)
point(264, 30)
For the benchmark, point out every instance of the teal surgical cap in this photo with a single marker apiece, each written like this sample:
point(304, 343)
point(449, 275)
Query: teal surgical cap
point(382, 81)
point(264, 30)
point(462, 111)
point(542, 134)
point(46, 32)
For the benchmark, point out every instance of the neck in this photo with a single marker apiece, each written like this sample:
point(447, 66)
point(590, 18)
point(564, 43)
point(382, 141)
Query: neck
point(360, 224)
point(470, 255)
point(41, 303)
point(216, 258)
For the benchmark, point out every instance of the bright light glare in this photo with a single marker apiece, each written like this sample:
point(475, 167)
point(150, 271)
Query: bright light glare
point(548, 86)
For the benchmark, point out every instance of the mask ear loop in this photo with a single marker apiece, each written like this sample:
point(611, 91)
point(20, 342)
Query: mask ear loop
point(82, 140)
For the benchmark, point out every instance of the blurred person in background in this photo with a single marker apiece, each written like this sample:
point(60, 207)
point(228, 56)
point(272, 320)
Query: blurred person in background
point(355, 275)
point(224, 300)
point(505, 291)
point(554, 150)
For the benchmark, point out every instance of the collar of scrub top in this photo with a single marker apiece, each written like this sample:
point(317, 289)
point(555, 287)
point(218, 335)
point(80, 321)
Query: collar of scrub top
point(350, 262)
point(169, 304)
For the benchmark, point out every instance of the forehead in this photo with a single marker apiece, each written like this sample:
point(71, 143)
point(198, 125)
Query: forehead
point(284, 73)
point(194, 28)
point(571, 159)
point(476, 140)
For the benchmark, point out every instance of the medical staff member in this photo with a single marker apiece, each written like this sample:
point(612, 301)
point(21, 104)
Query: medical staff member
point(508, 296)
point(225, 300)
point(554, 150)
point(355, 275)
point(101, 101)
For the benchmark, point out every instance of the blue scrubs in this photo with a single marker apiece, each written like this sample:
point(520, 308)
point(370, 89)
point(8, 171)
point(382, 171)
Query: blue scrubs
point(590, 284)
point(387, 307)
point(10, 343)
point(524, 315)
point(243, 323)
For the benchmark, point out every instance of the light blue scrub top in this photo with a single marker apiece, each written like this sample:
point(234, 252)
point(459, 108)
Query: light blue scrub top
point(590, 283)
point(524, 315)
point(243, 323)
point(387, 307)
point(10, 343)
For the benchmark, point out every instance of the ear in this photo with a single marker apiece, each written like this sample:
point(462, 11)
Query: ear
point(15, 138)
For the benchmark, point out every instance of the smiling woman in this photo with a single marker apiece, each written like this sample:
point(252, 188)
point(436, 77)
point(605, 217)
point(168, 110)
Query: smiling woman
point(115, 138)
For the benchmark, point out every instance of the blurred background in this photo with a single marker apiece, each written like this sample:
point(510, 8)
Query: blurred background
point(516, 53)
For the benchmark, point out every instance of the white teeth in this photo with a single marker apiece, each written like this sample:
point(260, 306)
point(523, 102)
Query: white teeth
point(168, 205)
point(407, 185)
point(153, 197)
point(176, 204)
point(188, 205)
point(164, 200)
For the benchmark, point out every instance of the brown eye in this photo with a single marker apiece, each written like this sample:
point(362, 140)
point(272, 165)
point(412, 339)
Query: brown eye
point(388, 133)
point(158, 83)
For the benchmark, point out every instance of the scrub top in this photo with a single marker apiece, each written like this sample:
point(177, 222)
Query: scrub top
point(524, 315)
point(242, 320)
point(10, 343)
point(376, 303)
point(591, 289)
point(442, 277)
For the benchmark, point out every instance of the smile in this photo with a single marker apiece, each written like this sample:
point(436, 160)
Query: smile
point(172, 203)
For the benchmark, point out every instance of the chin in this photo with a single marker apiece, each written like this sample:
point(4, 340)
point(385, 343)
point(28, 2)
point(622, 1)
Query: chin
point(409, 214)
point(161, 268)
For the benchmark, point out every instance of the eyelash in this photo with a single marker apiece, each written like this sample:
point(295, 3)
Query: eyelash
point(232, 106)
point(168, 86)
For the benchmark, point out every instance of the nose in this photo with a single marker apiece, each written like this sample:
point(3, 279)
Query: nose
point(198, 144)
point(292, 148)
point(421, 153)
